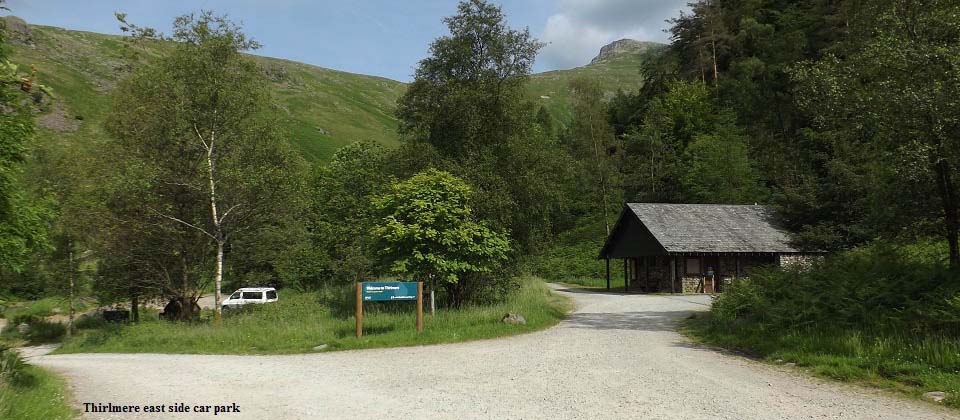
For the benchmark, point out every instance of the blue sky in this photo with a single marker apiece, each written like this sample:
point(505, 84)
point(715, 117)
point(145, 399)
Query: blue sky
point(379, 37)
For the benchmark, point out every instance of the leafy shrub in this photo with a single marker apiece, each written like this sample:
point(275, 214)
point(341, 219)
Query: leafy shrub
point(878, 287)
point(43, 331)
point(13, 370)
point(39, 331)
point(573, 256)
point(88, 322)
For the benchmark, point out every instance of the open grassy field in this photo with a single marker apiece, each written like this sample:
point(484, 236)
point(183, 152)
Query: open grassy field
point(298, 322)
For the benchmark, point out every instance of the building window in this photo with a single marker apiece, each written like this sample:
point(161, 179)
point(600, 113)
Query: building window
point(693, 266)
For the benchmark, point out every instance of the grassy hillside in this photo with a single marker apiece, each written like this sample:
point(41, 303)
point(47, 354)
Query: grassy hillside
point(618, 71)
point(325, 109)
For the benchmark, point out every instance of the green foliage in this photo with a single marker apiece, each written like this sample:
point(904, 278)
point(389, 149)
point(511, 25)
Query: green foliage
point(29, 393)
point(719, 170)
point(893, 98)
point(879, 287)
point(466, 95)
point(881, 314)
point(23, 221)
point(342, 212)
point(551, 89)
point(194, 129)
point(573, 257)
point(13, 370)
point(39, 308)
point(428, 229)
point(468, 107)
point(688, 149)
point(905, 362)
point(298, 322)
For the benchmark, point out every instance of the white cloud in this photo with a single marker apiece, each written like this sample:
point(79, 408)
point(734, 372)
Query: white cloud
point(576, 32)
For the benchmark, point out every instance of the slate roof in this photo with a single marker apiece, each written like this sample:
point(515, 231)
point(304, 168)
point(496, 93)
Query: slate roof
point(713, 228)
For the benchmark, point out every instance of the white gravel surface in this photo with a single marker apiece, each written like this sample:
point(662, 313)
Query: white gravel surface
point(616, 357)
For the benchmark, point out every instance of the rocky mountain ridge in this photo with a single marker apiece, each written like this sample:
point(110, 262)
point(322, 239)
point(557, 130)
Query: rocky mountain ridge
point(621, 47)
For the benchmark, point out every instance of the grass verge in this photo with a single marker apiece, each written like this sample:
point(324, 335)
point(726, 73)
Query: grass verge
point(903, 362)
point(31, 393)
point(297, 323)
point(41, 308)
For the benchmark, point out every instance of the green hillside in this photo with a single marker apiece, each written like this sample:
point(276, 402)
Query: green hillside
point(324, 109)
point(616, 69)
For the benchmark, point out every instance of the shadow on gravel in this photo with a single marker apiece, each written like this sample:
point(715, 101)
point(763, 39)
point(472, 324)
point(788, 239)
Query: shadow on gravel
point(636, 321)
point(701, 347)
point(588, 291)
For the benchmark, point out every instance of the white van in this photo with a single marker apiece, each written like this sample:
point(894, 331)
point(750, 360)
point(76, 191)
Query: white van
point(248, 295)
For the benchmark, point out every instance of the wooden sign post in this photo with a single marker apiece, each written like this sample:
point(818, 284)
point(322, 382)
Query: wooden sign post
point(419, 306)
point(389, 291)
point(359, 309)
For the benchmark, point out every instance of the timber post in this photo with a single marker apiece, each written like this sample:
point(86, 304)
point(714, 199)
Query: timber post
point(359, 314)
point(419, 306)
point(673, 274)
point(608, 274)
point(625, 274)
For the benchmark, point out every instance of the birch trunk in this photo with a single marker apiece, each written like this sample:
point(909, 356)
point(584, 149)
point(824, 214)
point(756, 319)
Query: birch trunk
point(217, 232)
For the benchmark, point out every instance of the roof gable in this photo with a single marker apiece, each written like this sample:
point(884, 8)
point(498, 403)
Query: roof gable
point(713, 228)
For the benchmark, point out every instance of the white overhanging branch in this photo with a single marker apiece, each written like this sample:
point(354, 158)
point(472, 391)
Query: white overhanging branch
point(228, 212)
point(202, 230)
point(200, 136)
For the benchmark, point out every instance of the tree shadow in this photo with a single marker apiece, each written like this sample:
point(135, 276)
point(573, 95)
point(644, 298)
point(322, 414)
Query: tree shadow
point(634, 321)
point(593, 291)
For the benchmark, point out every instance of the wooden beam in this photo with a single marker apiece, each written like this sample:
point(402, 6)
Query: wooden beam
point(608, 274)
point(673, 274)
point(419, 307)
point(359, 314)
point(646, 269)
point(625, 273)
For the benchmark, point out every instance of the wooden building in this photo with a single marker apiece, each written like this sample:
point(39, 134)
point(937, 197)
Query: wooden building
point(694, 248)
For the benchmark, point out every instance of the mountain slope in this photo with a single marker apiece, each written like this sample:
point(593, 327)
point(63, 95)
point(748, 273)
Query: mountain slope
point(324, 109)
point(616, 67)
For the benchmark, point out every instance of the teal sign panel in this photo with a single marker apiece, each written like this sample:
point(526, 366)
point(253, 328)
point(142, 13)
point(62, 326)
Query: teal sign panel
point(394, 290)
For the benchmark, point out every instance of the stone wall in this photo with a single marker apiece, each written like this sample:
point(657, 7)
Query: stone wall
point(802, 261)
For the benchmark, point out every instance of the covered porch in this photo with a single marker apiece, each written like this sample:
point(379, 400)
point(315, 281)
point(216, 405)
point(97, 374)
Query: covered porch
point(692, 248)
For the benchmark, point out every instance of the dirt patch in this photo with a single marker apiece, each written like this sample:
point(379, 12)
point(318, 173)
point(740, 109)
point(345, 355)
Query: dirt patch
point(59, 120)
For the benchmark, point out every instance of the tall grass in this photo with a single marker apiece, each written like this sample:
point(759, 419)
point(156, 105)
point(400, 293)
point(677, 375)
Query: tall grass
point(298, 322)
point(41, 308)
point(28, 392)
point(888, 316)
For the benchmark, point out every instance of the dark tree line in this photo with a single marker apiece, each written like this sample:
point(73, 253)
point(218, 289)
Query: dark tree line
point(839, 112)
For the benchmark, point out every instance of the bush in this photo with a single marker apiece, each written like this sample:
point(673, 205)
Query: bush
point(878, 287)
point(39, 331)
point(13, 370)
point(573, 257)
point(43, 331)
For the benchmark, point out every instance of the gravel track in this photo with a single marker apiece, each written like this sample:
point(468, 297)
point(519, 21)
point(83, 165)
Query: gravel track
point(615, 357)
